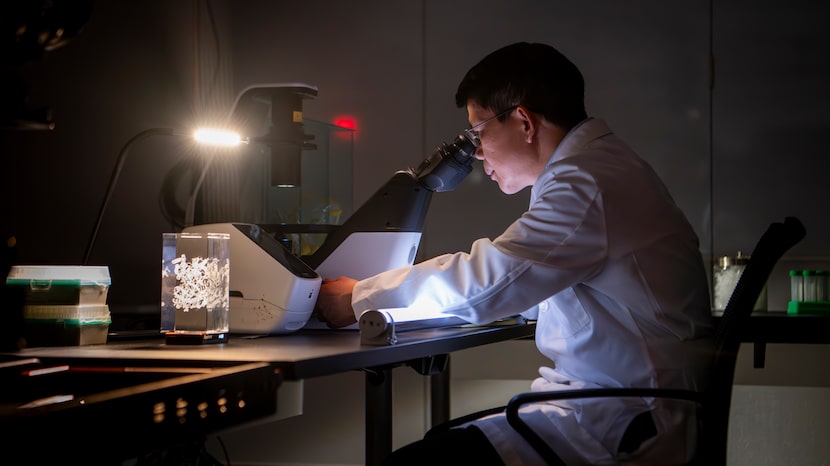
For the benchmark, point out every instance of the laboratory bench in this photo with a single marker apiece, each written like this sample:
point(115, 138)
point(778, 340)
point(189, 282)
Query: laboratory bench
point(157, 391)
point(137, 387)
point(780, 327)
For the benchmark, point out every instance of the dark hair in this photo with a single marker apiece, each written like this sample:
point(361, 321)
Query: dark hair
point(534, 75)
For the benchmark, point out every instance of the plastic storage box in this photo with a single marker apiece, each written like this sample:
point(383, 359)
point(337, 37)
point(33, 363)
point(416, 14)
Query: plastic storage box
point(64, 305)
point(61, 285)
point(55, 325)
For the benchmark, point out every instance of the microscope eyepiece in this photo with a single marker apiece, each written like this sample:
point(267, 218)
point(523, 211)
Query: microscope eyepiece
point(448, 164)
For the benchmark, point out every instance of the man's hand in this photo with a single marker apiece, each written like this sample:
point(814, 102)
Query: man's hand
point(334, 303)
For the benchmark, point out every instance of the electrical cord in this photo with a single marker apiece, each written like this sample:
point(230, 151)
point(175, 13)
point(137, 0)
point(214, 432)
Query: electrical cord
point(116, 173)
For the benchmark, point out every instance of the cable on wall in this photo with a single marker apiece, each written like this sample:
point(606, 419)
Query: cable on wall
point(711, 136)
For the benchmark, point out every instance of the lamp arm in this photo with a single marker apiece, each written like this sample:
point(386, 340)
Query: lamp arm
point(116, 172)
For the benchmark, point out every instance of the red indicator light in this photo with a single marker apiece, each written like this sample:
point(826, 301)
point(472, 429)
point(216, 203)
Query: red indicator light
point(346, 122)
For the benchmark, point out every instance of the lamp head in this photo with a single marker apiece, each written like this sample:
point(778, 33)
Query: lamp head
point(218, 137)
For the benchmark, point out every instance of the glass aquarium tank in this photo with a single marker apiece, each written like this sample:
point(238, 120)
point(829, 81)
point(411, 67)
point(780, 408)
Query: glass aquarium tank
point(293, 178)
point(323, 198)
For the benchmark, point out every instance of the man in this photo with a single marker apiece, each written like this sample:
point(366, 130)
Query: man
point(603, 259)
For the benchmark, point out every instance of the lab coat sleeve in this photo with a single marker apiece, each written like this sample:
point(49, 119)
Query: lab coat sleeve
point(557, 243)
point(532, 313)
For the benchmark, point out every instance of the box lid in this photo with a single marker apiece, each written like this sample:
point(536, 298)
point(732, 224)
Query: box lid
point(36, 275)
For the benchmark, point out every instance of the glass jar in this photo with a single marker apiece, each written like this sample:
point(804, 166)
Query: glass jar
point(727, 271)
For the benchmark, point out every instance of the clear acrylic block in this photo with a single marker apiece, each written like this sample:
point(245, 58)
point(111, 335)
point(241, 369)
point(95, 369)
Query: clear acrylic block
point(195, 283)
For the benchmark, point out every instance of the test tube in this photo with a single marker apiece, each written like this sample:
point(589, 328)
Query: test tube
point(822, 292)
point(810, 285)
point(796, 286)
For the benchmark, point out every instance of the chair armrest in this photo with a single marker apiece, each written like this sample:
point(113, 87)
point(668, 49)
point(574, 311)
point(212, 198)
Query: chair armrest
point(541, 447)
point(455, 422)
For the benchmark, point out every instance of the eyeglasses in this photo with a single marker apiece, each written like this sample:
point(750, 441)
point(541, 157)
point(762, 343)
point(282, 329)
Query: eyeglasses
point(474, 133)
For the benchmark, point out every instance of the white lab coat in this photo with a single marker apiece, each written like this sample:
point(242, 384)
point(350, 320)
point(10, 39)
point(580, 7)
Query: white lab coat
point(611, 268)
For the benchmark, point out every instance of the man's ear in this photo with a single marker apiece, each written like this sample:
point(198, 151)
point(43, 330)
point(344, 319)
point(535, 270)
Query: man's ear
point(529, 122)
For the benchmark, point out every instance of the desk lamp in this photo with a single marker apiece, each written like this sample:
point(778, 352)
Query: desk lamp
point(208, 137)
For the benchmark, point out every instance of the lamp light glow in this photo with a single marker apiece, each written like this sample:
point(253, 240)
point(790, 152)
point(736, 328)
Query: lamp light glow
point(217, 137)
point(209, 137)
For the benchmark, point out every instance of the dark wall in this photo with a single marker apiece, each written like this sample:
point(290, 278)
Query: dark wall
point(130, 69)
point(771, 118)
point(393, 67)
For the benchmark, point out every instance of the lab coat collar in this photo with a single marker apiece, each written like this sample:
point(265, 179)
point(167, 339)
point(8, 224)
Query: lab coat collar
point(580, 136)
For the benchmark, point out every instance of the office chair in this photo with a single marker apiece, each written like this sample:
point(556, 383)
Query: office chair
point(715, 400)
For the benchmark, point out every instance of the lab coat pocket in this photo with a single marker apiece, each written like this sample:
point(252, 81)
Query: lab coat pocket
point(562, 315)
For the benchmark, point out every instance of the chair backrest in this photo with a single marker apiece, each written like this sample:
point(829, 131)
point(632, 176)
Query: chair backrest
point(778, 238)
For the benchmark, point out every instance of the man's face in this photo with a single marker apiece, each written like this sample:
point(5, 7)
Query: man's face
point(502, 148)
